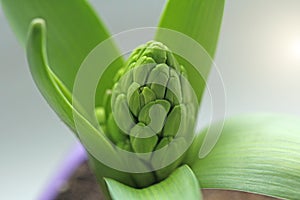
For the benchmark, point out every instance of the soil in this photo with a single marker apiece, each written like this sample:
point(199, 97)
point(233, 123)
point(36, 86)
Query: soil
point(83, 186)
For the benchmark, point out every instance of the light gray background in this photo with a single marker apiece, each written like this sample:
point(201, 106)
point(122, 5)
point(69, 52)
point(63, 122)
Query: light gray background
point(258, 56)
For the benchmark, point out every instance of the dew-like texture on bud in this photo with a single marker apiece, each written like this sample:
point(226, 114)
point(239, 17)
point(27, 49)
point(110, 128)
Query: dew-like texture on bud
point(151, 102)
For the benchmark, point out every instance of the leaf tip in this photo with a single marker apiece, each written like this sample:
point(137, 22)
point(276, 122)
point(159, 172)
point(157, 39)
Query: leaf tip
point(37, 24)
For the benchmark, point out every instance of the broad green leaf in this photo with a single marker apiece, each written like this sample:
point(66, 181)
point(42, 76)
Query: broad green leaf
point(201, 21)
point(73, 31)
point(255, 153)
point(181, 184)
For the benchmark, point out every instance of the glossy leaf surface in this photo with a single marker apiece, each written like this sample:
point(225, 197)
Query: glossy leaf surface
point(255, 153)
point(201, 21)
point(182, 184)
point(73, 30)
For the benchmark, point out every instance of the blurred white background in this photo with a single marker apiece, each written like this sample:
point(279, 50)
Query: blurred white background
point(258, 56)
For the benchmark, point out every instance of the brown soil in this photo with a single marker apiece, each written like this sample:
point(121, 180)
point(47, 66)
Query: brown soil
point(82, 186)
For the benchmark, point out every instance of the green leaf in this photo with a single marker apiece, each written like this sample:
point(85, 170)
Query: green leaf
point(73, 31)
point(199, 20)
point(255, 153)
point(181, 184)
point(52, 90)
point(48, 84)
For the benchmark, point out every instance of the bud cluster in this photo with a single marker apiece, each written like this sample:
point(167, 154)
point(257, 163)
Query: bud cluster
point(151, 103)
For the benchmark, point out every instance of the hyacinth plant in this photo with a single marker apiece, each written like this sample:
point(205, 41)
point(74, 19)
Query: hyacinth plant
point(149, 104)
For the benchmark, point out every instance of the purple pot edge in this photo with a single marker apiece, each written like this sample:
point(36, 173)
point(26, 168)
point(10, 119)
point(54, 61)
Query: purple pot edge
point(65, 170)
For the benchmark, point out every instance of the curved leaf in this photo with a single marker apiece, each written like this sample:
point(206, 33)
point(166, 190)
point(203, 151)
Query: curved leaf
point(48, 84)
point(55, 93)
point(255, 153)
point(201, 21)
point(181, 184)
point(73, 31)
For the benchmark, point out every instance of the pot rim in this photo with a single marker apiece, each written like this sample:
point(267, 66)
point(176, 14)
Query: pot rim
point(64, 171)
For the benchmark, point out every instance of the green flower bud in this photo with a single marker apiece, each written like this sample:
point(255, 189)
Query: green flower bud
point(150, 105)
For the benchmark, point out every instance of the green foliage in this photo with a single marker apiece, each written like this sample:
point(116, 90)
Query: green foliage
point(171, 188)
point(258, 153)
point(199, 20)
